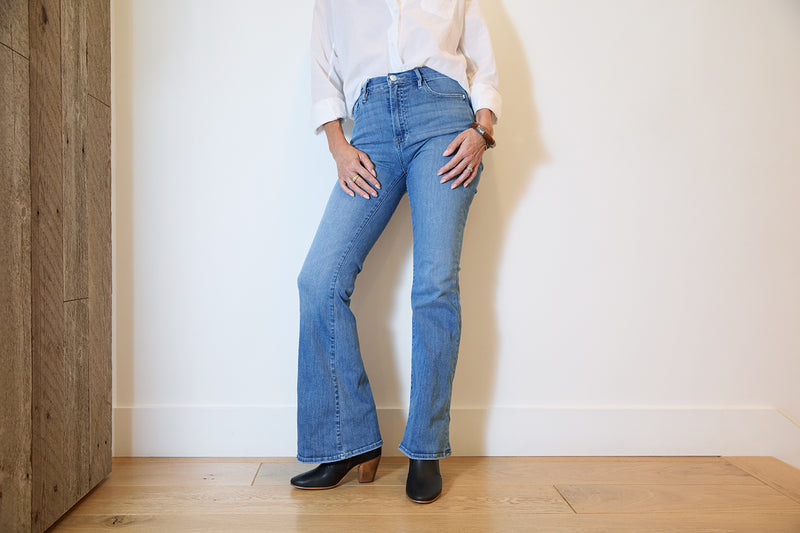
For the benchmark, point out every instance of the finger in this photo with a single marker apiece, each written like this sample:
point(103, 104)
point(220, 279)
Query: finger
point(355, 186)
point(363, 182)
point(459, 167)
point(343, 186)
point(366, 162)
point(453, 146)
point(462, 177)
point(447, 167)
point(369, 178)
point(448, 171)
point(471, 177)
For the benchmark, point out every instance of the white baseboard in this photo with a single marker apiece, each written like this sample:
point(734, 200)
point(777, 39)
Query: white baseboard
point(267, 431)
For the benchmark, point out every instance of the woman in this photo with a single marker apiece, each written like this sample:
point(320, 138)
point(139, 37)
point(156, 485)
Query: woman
point(418, 78)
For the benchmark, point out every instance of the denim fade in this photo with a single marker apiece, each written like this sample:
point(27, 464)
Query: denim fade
point(404, 122)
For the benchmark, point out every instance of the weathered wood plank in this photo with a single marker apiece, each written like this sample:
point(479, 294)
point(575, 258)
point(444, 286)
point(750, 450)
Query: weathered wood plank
point(15, 286)
point(14, 25)
point(99, 187)
point(49, 499)
point(74, 107)
point(99, 49)
point(76, 437)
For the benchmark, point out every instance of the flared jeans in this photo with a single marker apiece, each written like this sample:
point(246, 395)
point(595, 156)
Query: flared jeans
point(403, 122)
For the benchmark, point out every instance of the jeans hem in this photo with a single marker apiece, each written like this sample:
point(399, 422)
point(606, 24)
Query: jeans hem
point(340, 456)
point(424, 456)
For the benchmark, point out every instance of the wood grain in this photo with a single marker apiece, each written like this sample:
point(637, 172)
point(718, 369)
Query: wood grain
point(512, 471)
point(186, 497)
point(48, 368)
point(144, 473)
point(15, 285)
point(74, 103)
point(76, 354)
point(99, 49)
point(675, 498)
point(421, 522)
point(14, 25)
point(773, 472)
point(351, 499)
point(99, 237)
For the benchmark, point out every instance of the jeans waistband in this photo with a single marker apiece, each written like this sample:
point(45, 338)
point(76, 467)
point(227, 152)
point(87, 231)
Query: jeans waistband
point(416, 76)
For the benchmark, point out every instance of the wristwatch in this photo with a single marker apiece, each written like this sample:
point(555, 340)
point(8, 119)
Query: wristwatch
point(485, 134)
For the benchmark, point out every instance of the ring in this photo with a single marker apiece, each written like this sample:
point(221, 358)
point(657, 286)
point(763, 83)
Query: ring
point(469, 168)
point(354, 178)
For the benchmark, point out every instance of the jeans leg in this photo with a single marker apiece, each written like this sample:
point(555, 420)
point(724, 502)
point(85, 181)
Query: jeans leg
point(336, 416)
point(438, 215)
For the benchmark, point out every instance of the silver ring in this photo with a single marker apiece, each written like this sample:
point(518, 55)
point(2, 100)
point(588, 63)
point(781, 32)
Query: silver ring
point(469, 168)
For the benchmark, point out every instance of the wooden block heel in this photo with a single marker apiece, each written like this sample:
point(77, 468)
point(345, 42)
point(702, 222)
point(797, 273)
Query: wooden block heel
point(367, 470)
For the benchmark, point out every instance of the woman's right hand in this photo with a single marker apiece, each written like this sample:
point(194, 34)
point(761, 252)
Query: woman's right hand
point(355, 169)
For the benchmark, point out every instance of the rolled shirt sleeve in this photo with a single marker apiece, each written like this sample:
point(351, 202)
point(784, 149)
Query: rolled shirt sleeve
point(327, 93)
point(482, 70)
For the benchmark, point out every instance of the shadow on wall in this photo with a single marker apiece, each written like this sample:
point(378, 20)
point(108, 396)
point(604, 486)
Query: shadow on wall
point(508, 171)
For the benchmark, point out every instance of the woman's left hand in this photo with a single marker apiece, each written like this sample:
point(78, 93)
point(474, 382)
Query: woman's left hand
point(468, 148)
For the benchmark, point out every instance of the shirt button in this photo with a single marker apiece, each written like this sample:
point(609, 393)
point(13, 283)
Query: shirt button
point(392, 78)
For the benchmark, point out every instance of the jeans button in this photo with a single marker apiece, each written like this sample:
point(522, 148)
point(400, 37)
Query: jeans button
point(392, 78)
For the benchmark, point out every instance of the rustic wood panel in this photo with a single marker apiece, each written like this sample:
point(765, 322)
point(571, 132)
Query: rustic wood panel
point(76, 439)
point(50, 421)
point(74, 108)
point(14, 25)
point(15, 285)
point(99, 201)
point(99, 49)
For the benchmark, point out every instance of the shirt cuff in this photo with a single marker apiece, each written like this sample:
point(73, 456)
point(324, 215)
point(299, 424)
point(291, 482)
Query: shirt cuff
point(326, 110)
point(485, 96)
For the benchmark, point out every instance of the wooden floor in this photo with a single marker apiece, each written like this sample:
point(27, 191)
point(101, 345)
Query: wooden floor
point(548, 494)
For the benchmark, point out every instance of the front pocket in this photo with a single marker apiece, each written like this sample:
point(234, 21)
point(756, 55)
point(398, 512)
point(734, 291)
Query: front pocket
point(442, 8)
point(444, 88)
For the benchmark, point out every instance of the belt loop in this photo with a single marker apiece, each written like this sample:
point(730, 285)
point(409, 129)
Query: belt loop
point(418, 72)
point(365, 91)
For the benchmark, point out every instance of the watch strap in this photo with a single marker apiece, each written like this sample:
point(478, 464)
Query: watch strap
point(488, 139)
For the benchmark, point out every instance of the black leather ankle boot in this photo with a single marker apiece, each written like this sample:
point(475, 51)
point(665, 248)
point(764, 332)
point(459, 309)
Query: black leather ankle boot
point(424, 483)
point(329, 475)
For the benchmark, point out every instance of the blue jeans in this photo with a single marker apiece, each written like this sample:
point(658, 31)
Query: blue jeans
point(403, 122)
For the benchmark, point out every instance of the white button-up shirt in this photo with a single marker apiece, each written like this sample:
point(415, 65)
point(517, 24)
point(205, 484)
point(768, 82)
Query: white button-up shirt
point(355, 40)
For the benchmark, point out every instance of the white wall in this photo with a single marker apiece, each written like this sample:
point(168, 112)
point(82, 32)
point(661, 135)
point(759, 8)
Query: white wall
point(631, 270)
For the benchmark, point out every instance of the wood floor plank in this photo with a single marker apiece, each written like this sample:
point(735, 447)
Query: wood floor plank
point(774, 472)
point(349, 499)
point(178, 501)
point(187, 473)
point(675, 498)
point(420, 522)
point(516, 470)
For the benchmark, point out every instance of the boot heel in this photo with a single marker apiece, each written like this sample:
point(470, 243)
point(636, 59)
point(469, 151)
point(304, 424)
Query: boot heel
point(367, 470)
